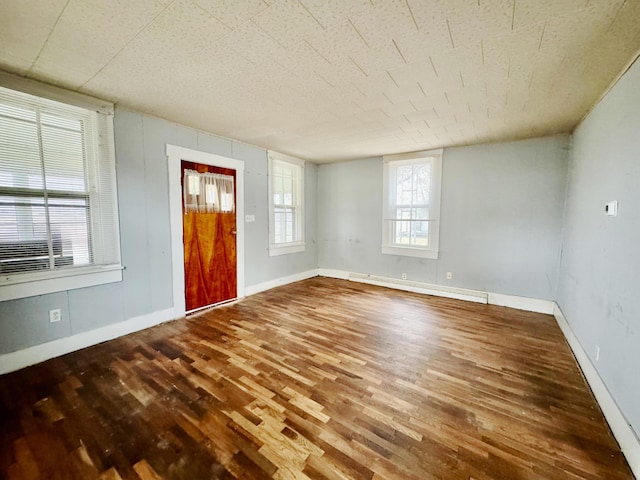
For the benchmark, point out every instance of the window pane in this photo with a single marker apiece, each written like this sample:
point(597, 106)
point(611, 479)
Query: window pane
point(56, 185)
point(420, 214)
point(422, 181)
point(22, 218)
point(23, 235)
point(285, 185)
point(404, 185)
point(23, 232)
point(69, 230)
point(284, 224)
point(63, 159)
point(420, 233)
point(412, 184)
point(19, 154)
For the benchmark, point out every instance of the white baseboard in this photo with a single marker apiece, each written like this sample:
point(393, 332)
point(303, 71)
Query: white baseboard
point(622, 431)
point(10, 362)
point(420, 287)
point(522, 303)
point(332, 273)
point(268, 285)
point(512, 301)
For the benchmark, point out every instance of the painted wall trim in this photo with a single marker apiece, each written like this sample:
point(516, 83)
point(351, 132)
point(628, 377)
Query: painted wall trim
point(269, 284)
point(622, 431)
point(511, 301)
point(420, 287)
point(10, 362)
point(175, 155)
point(332, 273)
point(522, 303)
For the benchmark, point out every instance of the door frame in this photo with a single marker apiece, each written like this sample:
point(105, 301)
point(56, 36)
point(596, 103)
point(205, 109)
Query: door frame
point(175, 155)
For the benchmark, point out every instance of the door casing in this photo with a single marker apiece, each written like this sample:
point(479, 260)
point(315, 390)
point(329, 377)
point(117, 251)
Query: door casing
point(175, 155)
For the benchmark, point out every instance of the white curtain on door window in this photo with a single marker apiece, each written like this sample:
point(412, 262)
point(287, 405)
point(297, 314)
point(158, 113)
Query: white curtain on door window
point(208, 192)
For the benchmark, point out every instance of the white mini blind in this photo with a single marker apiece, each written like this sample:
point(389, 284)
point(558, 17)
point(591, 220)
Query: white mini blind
point(58, 206)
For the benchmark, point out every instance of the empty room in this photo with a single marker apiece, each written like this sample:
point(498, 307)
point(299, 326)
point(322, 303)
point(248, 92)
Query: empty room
point(320, 239)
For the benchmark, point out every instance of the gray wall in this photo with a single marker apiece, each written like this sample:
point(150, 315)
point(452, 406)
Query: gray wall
point(145, 236)
point(599, 289)
point(501, 218)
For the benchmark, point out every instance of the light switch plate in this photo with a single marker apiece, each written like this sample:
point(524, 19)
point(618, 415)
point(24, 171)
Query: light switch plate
point(611, 208)
point(249, 218)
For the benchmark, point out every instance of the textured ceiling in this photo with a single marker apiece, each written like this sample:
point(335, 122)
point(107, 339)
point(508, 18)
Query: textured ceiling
point(329, 80)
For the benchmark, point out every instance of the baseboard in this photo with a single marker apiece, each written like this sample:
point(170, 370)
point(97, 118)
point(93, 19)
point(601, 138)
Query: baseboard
point(420, 287)
point(622, 431)
point(512, 301)
point(522, 303)
point(268, 285)
point(10, 362)
point(332, 273)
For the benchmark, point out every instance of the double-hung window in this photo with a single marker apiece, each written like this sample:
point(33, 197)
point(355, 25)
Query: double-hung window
point(286, 204)
point(411, 209)
point(58, 211)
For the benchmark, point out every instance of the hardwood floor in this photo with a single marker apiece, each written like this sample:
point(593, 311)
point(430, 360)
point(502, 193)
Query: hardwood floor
point(322, 379)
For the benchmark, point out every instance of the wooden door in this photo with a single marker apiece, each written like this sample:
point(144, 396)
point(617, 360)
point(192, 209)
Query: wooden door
point(209, 239)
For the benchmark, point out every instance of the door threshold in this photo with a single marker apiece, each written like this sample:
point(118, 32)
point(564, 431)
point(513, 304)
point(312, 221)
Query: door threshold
point(198, 311)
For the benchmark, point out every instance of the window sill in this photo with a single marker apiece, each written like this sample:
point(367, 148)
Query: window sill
point(410, 252)
point(28, 285)
point(285, 248)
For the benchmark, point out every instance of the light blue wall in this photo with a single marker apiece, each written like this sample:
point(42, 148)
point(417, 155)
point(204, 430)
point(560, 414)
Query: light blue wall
point(501, 218)
point(599, 289)
point(259, 266)
point(145, 236)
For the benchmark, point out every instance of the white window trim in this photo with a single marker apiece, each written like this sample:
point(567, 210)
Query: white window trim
point(432, 250)
point(40, 283)
point(290, 247)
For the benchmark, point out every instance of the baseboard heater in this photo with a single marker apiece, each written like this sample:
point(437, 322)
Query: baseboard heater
point(420, 287)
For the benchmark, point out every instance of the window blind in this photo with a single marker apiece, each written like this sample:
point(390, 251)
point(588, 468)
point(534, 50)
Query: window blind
point(58, 206)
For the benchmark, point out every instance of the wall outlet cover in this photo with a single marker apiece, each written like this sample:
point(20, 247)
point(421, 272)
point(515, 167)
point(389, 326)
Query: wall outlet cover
point(611, 208)
point(55, 315)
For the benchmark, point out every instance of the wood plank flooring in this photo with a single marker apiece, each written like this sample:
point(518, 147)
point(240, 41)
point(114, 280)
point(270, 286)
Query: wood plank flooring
point(321, 379)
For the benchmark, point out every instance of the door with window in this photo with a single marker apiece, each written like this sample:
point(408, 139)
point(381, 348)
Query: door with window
point(209, 235)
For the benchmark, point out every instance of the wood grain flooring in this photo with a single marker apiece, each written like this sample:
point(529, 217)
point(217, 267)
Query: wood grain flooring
point(321, 379)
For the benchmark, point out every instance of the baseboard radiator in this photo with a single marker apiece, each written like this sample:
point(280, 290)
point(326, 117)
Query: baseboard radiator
point(420, 287)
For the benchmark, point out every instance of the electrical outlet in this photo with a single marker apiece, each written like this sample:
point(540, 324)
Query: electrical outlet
point(55, 315)
point(449, 275)
point(611, 209)
point(597, 353)
point(404, 276)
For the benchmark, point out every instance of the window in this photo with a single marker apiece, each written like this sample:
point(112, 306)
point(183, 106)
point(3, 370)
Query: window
point(58, 212)
point(217, 188)
point(411, 211)
point(286, 204)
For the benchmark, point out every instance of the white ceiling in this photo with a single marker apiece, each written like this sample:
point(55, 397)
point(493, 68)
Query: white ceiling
point(330, 80)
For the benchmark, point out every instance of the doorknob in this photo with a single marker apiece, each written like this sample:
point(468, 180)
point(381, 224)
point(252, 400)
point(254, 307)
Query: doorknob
point(233, 232)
